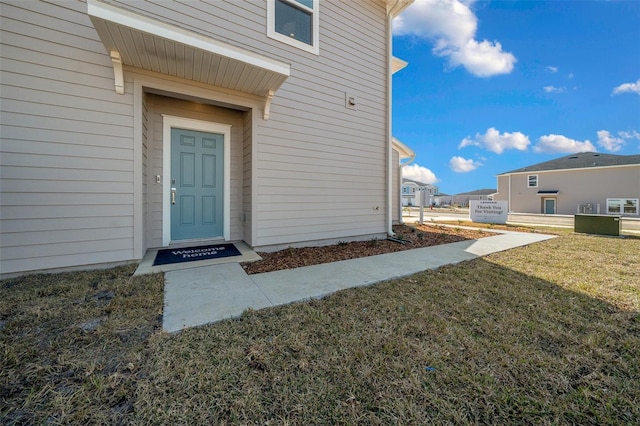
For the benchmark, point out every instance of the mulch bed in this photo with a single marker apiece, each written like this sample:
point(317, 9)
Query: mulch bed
point(415, 236)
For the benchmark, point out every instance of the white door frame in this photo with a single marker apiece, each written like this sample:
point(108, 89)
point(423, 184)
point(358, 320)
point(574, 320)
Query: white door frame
point(544, 205)
point(170, 121)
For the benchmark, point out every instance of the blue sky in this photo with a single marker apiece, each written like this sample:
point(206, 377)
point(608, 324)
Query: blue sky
point(492, 86)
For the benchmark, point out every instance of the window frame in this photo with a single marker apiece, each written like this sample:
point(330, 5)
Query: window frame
point(315, 22)
point(620, 203)
point(529, 181)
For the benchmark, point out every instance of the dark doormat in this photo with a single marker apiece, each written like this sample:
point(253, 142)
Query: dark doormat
point(190, 254)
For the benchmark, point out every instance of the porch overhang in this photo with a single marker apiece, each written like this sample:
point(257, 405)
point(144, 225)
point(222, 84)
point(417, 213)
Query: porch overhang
point(397, 64)
point(549, 192)
point(147, 43)
point(395, 7)
point(404, 151)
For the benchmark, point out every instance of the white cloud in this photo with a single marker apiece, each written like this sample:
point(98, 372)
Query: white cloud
point(493, 141)
point(419, 173)
point(552, 69)
point(628, 88)
point(451, 26)
point(553, 89)
point(629, 135)
point(608, 141)
point(570, 76)
point(462, 165)
point(558, 143)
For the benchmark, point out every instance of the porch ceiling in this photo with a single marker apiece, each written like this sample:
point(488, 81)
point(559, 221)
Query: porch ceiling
point(146, 43)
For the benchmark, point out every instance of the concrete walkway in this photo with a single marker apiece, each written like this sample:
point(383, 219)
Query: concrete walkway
point(207, 294)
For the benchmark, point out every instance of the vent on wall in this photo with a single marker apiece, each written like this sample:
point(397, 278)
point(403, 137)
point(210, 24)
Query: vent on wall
point(350, 101)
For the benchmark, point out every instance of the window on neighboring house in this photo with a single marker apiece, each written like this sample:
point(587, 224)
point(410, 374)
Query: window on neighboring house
point(294, 22)
point(532, 181)
point(622, 206)
point(405, 190)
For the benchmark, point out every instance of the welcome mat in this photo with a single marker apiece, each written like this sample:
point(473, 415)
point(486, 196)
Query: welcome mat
point(190, 254)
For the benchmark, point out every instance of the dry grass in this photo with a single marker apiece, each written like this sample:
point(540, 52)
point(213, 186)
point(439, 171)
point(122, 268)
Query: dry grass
point(71, 345)
point(545, 334)
point(552, 230)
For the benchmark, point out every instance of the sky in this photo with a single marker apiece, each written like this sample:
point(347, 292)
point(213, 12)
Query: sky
point(493, 86)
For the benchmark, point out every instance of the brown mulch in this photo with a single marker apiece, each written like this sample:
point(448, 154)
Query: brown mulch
point(415, 236)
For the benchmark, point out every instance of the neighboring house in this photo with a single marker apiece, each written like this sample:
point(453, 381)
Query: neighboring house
point(130, 125)
point(462, 199)
point(587, 182)
point(412, 192)
point(400, 152)
point(442, 199)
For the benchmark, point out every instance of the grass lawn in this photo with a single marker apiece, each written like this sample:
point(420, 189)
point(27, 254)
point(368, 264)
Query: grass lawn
point(544, 334)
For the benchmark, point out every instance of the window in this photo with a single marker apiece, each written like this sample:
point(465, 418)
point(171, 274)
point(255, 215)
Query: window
point(294, 22)
point(532, 181)
point(622, 206)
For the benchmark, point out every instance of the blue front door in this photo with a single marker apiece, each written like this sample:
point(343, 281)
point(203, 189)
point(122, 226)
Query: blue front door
point(197, 161)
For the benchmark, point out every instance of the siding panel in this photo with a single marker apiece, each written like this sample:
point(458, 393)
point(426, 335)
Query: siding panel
point(575, 187)
point(247, 173)
point(396, 209)
point(61, 120)
point(67, 154)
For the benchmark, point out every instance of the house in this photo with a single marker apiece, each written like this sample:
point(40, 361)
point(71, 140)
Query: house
point(400, 152)
point(587, 182)
point(412, 191)
point(443, 199)
point(130, 125)
point(462, 199)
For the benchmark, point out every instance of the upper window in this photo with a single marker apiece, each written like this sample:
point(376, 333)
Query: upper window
point(622, 206)
point(294, 22)
point(532, 181)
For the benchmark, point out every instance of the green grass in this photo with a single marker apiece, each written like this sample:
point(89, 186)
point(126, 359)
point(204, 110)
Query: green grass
point(544, 334)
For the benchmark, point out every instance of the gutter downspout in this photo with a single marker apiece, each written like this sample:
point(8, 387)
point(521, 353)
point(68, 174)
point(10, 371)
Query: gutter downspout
point(389, 185)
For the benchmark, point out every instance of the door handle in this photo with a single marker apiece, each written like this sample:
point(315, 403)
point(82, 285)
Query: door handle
point(173, 195)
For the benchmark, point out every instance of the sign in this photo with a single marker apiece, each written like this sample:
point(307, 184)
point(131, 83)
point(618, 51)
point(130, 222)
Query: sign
point(487, 211)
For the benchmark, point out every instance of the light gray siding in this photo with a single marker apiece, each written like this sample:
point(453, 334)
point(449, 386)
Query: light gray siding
point(247, 183)
point(325, 163)
point(502, 193)
point(395, 194)
point(574, 186)
point(147, 178)
point(337, 155)
point(66, 162)
point(70, 162)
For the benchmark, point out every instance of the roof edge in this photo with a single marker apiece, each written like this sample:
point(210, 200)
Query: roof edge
point(396, 7)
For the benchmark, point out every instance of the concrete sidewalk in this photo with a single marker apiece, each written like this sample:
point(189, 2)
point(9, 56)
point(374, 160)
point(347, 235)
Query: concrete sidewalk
point(207, 294)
